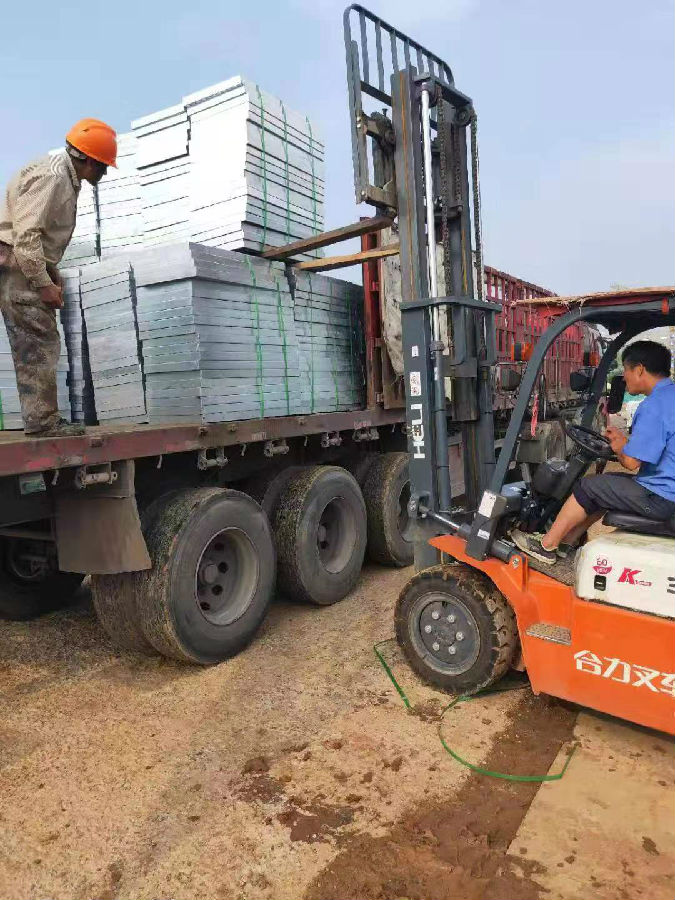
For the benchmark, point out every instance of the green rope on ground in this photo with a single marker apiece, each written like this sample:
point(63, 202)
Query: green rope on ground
point(505, 776)
point(255, 310)
point(311, 342)
point(263, 152)
point(284, 351)
point(315, 217)
point(288, 182)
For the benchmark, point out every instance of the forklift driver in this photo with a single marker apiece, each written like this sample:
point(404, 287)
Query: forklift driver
point(650, 451)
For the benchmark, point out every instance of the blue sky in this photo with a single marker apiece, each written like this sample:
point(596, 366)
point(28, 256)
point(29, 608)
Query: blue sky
point(575, 104)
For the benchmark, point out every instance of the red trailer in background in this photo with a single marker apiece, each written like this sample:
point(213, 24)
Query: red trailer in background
point(518, 329)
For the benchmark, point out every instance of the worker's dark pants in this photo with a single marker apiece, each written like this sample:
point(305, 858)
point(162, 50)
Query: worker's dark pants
point(620, 492)
point(36, 345)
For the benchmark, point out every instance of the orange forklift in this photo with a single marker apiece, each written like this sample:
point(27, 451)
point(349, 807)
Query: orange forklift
point(599, 631)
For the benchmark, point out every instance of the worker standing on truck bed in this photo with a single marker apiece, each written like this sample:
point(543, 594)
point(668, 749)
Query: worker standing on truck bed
point(37, 220)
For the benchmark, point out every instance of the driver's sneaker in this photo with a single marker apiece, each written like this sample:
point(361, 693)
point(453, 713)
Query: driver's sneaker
point(532, 545)
point(62, 428)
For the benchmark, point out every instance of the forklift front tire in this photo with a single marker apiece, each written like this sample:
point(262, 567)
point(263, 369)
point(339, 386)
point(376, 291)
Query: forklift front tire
point(456, 629)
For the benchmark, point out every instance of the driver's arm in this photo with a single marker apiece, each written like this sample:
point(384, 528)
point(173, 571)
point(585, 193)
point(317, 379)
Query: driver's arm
point(618, 441)
point(646, 443)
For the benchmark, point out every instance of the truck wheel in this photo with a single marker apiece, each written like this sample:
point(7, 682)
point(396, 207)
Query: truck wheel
point(267, 489)
point(386, 491)
point(30, 581)
point(320, 531)
point(212, 576)
point(456, 629)
point(360, 466)
point(115, 597)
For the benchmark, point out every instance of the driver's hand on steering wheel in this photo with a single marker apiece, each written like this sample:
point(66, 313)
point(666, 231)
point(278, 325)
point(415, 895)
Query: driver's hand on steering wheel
point(617, 439)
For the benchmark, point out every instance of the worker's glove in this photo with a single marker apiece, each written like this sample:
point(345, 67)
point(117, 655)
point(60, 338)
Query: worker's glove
point(51, 296)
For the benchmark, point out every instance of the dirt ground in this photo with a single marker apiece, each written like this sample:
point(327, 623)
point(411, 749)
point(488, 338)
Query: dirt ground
point(292, 771)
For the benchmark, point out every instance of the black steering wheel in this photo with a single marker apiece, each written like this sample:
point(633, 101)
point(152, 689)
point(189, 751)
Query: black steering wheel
point(591, 441)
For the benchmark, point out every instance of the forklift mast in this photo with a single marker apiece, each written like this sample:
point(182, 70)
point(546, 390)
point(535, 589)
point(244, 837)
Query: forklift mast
point(416, 158)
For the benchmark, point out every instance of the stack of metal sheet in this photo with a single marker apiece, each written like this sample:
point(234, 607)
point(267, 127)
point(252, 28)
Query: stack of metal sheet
point(163, 166)
point(119, 201)
point(80, 386)
point(329, 325)
point(10, 408)
point(256, 175)
point(218, 336)
point(84, 248)
point(109, 307)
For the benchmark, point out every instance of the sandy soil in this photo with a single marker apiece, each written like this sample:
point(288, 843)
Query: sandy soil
point(292, 771)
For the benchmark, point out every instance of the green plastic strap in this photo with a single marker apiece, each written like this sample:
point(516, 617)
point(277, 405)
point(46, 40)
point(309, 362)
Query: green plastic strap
point(505, 776)
point(258, 346)
point(332, 356)
point(284, 351)
point(263, 152)
point(288, 181)
point(315, 218)
point(311, 342)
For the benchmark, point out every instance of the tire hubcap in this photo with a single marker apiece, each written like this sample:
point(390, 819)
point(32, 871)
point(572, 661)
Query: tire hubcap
point(445, 633)
point(227, 577)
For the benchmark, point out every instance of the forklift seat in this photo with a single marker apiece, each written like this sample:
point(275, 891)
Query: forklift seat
point(640, 524)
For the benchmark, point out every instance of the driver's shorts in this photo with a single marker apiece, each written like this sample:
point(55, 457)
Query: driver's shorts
point(617, 492)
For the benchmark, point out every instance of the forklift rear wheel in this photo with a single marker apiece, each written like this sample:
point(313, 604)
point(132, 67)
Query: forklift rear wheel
point(456, 629)
point(212, 575)
point(386, 491)
point(320, 533)
point(30, 581)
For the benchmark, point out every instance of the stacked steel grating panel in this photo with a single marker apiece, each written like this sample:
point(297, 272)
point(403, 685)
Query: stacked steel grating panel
point(186, 332)
point(229, 166)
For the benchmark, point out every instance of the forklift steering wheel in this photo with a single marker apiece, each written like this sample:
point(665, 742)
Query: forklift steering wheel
point(591, 441)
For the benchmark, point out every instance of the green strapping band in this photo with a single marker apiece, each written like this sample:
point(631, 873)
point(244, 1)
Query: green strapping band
point(332, 355)
point(263, 153)
point(258, 346)
point(311, 342)
point(282, 332)
point(505, 776)
point(315, 217)
point(288, 181)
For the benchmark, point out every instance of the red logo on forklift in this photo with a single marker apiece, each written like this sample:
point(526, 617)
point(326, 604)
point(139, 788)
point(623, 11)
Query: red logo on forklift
point(602, 567)
point(628, 577)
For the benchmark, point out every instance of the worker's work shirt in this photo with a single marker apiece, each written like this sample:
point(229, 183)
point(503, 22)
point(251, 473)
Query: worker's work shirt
point(652, 440)
point(37, 215)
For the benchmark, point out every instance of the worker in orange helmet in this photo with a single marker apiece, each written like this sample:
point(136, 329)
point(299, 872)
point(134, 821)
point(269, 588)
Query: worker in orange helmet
point(37, 220)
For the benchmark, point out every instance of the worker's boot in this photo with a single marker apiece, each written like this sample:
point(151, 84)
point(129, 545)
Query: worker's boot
point(63, 428)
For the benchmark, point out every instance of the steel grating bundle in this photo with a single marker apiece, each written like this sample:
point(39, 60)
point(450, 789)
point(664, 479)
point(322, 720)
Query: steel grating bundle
point(108, 304)
point(77, 351)
point(229, 166)
point(186, 332)
point(10, 409)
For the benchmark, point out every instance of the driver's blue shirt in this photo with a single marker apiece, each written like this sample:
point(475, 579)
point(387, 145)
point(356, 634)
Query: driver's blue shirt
point(652, 440)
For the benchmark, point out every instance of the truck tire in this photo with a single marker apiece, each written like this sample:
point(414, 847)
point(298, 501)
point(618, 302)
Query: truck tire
point(27, 589)
point(115, 597)
point(386, 491)
point(212, 577)
point(360, 466)
point(320, 532)
point(455, 606)
point(268, 488)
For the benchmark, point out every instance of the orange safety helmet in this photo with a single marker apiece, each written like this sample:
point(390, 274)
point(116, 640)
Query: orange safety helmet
point(95, 139)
